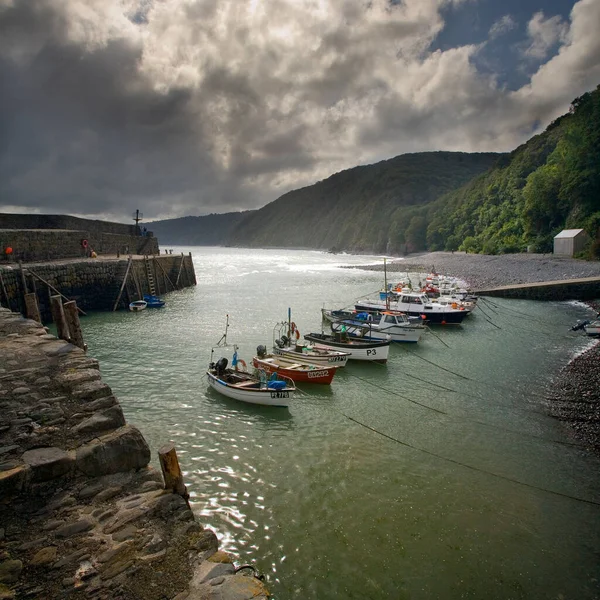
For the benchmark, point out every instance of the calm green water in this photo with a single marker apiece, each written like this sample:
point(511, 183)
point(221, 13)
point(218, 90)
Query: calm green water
point(465, 490)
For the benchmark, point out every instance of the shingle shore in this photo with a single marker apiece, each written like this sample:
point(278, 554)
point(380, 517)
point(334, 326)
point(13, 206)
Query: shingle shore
point(574, 396)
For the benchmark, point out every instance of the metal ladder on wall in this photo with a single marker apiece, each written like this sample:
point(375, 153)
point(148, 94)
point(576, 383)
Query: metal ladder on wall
point(150, 276)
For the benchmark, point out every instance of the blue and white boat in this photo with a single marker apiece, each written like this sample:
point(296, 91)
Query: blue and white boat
point(153, 301)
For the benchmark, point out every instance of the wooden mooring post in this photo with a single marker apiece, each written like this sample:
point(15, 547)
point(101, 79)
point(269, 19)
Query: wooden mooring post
point(193, 270)
point(72, 318)
point(58, 317)
point(32, 309)
point(123, 284)
point(171, 471)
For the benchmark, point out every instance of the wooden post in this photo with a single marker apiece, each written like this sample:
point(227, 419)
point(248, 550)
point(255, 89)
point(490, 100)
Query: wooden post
point(23, 279)
point(179, 274)
point(32, 310)
point(58, 316)
point(155, 274)
point(4, 292)
point(193, 270)
point(123, 284)
point(136, 281)
point(171, 471)
point(50, 286)
point(72, 319)
point(166, 276)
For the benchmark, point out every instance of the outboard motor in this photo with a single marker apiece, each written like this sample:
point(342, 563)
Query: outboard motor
point(285, 340)
point(220, 366)
point(279, 343)
point(261, 351)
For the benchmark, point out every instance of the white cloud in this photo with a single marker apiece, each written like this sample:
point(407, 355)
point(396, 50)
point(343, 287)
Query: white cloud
point(544, 33)
point(502, 26)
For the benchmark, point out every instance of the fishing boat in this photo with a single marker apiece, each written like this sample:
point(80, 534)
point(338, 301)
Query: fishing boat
point(298, 371)
point(153, 301)
point(417, 304)
point(386, 325)
point(284, 345)
point(359, 349)
point(237, 383)
point(138, 305)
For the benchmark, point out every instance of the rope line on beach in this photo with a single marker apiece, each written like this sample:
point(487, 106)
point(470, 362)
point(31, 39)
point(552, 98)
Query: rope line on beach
point(487, 317)
point(496, 385)
point(473, 468)
point(464, 420)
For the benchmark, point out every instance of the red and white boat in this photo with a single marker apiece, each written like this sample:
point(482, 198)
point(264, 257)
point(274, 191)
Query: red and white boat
point(298, 371)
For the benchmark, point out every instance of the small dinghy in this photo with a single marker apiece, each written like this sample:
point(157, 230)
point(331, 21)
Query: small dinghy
point(153, 301)
point(138, 305)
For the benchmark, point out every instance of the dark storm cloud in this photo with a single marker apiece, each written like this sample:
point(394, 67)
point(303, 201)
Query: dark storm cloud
point(191, 107)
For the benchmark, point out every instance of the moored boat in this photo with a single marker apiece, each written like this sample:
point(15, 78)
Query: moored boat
point(153, 301)
point(138, 305)
point(237, 383)
point(417, 304)
point(359, 349)
point(396, 326)
point(298, 371)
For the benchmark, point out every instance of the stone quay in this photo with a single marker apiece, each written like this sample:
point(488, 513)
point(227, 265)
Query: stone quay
point(82, 514)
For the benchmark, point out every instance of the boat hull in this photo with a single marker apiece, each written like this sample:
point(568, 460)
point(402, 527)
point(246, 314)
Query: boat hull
point(437, 317)
point(314, 374)
point(374, 351)
point(262, 396)
point(315, 357)
point(138, 306)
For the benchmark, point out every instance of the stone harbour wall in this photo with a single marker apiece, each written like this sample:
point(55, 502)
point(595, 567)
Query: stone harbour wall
point(82, 515)
point(53, 244)
point(94, 283)
point(31, 221)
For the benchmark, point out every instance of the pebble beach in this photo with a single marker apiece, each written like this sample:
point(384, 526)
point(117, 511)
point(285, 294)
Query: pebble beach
point(574, 397)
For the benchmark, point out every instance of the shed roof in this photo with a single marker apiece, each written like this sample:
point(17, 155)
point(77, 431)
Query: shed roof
point(568, 233)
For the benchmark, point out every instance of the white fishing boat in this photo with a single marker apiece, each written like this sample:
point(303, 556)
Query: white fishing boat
point(138, 305)
point(288, 344)
point(385, 325)
point(359, 348)
point(416, 304)
point(237, 383)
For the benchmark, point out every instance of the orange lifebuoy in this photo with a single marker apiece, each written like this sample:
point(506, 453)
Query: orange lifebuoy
point(84, 244)
point(293, 327)
point(242, 363)
point(297, 334)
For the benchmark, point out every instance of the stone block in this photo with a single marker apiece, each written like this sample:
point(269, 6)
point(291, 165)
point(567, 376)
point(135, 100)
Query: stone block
point(119, 451)
point(48, 463)
point(111, 418)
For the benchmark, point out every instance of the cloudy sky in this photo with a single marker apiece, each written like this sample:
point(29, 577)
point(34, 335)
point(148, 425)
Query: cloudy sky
point(187, 107)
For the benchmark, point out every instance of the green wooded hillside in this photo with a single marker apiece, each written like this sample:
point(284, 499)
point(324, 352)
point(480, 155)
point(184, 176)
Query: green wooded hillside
point(373, 208)
point(548, 184)
point(210, 230)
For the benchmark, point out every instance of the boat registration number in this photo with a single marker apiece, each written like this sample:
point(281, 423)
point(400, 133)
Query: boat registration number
point(313, 374)
point(336, 359)
point(372, 352)
point(280, 394)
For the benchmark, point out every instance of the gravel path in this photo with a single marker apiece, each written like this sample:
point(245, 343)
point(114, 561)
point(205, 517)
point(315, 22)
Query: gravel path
point(574, 396)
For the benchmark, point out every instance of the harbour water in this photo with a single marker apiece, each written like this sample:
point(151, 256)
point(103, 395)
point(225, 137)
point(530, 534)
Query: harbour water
point(438, 475)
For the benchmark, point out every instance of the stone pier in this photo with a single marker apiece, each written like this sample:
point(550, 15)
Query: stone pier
point(82, 515)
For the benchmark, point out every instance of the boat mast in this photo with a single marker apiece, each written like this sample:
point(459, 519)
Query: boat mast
point(289, 331)
point(223, 340)
point(387, 297)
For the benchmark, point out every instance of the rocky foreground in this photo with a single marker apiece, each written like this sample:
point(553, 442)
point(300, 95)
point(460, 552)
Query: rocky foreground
point(82, 515)
point(575, 394)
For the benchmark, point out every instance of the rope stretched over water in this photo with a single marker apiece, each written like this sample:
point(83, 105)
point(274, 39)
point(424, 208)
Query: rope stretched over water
point(473, 468)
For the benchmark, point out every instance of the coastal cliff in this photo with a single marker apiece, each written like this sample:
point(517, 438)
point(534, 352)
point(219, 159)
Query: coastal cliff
point(82, 514)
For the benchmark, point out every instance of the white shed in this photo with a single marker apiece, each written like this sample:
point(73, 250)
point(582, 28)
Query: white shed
point(570, 241)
